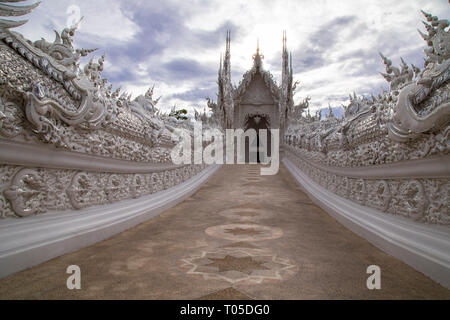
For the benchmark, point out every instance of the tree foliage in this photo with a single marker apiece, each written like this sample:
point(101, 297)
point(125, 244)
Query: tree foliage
point(179, 114)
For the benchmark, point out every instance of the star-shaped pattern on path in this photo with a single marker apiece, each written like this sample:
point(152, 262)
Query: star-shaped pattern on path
point(243, 231)
point(244, 264)
point(238, 264)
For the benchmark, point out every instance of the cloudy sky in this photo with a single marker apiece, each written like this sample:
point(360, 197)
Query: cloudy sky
point(176, 44)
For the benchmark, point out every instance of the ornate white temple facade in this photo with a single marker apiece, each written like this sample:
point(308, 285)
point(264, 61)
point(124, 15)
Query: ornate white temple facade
point(258, 102)
point(80, 162)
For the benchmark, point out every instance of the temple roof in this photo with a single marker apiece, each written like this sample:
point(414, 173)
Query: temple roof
point(250, 74)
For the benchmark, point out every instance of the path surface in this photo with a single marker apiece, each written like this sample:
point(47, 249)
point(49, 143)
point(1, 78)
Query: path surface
point(241, 236)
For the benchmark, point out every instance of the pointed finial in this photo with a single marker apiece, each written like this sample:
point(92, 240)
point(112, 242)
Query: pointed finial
point(257, 56)
point(285, 40)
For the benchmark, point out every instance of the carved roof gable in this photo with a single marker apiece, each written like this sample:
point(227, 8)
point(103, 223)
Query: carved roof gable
point(257, 92)
point(247, 83)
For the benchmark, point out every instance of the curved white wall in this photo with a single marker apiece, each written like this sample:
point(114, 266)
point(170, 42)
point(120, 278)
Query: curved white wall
point(426, 248)
point(25, 243)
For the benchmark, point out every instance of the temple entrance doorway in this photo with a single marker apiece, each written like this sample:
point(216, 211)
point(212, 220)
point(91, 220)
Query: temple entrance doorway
point(258, 149)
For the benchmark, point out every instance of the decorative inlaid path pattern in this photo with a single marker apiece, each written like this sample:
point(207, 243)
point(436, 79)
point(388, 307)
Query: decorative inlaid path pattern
point(241, 236)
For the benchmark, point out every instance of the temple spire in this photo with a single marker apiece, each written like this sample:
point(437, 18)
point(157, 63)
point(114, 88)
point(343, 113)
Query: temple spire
point(290, 63)
point(285, 60)
point(226, 59)
point(258, 57)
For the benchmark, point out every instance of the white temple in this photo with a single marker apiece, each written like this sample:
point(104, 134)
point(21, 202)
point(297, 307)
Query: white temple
point(80, 163)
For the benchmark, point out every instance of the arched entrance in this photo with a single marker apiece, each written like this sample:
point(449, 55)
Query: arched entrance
point(258, 149)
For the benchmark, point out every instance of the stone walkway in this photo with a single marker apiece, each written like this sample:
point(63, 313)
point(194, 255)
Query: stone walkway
point(242, 236)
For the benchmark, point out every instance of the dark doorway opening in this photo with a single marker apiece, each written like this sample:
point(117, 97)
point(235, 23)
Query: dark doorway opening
point(262, 145)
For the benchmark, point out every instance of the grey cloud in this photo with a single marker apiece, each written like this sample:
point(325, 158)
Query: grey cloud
point(364, 62)
point(326, 37)
point(162, 26)
point(312, 54)
point(319, 83)
point(183, 69)
point(195, 95)
point(308, 59)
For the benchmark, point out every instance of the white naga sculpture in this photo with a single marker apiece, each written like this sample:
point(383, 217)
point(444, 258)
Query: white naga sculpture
point(49, 106)
point(407, 124)
point(423, 104)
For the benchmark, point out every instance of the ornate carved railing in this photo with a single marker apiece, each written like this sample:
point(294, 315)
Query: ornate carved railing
point(414, 189)
point(80, 161)
point(383, 170)
point(67, 140)
point(390, 152)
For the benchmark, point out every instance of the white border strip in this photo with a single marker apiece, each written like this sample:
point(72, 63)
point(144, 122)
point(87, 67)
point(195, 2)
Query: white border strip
point(430, 167)
point(426, 248)
point(47, 156)
point(25, 243)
